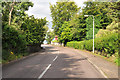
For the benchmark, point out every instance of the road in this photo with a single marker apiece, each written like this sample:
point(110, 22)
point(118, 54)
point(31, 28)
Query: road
point(54, 62)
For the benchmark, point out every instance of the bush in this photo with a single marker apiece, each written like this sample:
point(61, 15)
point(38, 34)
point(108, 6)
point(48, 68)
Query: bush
point(103, 33)
point(13, 40)
point(113, 25)
point(108, 44)
point(110, 29)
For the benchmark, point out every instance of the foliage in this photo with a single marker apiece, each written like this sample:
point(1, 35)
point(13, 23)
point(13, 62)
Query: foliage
point(12, 41)
point(78, 25)
point(89, 34)
point(22, 30)
point(110, 29)
point(103, 33)
point(99, 10)
point(66, 34)
point(50, 35)
point(18, 13)
point(55, 41)
point(89, 28)
point(113, 10)
point(34, 30)
point(108, 44)
point(113, 26)
point(61, 12)
point(13, 38)
point(0, 6)
point(46, 28)
point(79, 29)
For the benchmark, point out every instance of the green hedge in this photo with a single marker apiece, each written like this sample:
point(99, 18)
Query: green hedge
point(13, 40)
point(108, 44)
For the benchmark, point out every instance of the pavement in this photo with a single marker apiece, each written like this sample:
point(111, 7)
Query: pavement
point(60, 63)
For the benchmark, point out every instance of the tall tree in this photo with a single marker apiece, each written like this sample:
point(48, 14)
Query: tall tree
point(78, 25)
point(13, 38)
point(13, 12)
point(66, 34)
point(34, 30)
point(89, 27)
point(61, 12)
point(113, 10)
point(98, 9)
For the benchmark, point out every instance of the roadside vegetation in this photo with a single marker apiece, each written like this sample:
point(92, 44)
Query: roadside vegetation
point(75, 30)
point(105, 46)
point(21, 34)
point(49, 36)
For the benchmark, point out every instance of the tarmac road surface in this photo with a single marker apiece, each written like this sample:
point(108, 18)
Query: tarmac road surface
point(54, 62)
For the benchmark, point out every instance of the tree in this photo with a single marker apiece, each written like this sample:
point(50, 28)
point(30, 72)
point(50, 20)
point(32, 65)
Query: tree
point(19, 30)
point(14, 12)
point(113, 10)
point(78, 25)
point(34, 30)
point(98, 9)
point(46, 28)
point(101, 19)
point(50, 35)
point(61, 12)
point(66, 34)
point(89, 28)
point(13, 38)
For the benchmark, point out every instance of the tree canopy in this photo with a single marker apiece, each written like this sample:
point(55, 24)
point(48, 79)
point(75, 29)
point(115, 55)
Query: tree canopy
point(20, 31)
point(71, 25)
point(60, 13)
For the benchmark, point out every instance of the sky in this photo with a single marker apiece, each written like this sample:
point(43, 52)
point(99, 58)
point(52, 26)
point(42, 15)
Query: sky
point(41, 9)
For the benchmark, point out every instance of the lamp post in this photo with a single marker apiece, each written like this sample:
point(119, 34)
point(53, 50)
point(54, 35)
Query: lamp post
point(93, 29)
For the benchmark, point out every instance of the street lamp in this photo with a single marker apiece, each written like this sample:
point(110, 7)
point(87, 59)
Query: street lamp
point(93, 29)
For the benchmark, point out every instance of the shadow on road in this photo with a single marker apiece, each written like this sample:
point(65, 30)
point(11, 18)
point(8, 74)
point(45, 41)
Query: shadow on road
point(68, 66)
point(71, 65)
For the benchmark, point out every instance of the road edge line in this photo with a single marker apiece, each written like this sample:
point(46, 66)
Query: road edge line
point(98, 69)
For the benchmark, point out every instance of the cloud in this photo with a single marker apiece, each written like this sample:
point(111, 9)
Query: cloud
point(39, 10)
point(80, 2)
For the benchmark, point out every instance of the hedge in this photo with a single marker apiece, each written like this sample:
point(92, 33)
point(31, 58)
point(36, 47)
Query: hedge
point(108, 44)
point(13, 41)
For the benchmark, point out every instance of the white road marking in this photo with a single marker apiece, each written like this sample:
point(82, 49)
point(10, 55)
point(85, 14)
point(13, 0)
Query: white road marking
point(48, 67)
point(44, 72)
point(55, 58)
point(96, 67)
point(99, 69)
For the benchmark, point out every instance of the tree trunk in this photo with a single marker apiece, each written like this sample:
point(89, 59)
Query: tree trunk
point(65, 43)
point(11, 12)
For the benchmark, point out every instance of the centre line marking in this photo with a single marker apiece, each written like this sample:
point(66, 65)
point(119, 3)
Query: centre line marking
point(44, 72)
point(48, 67)
point(55, 58)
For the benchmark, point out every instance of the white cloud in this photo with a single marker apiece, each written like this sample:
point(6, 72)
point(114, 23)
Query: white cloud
point(80, 2)
point(39, 10)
